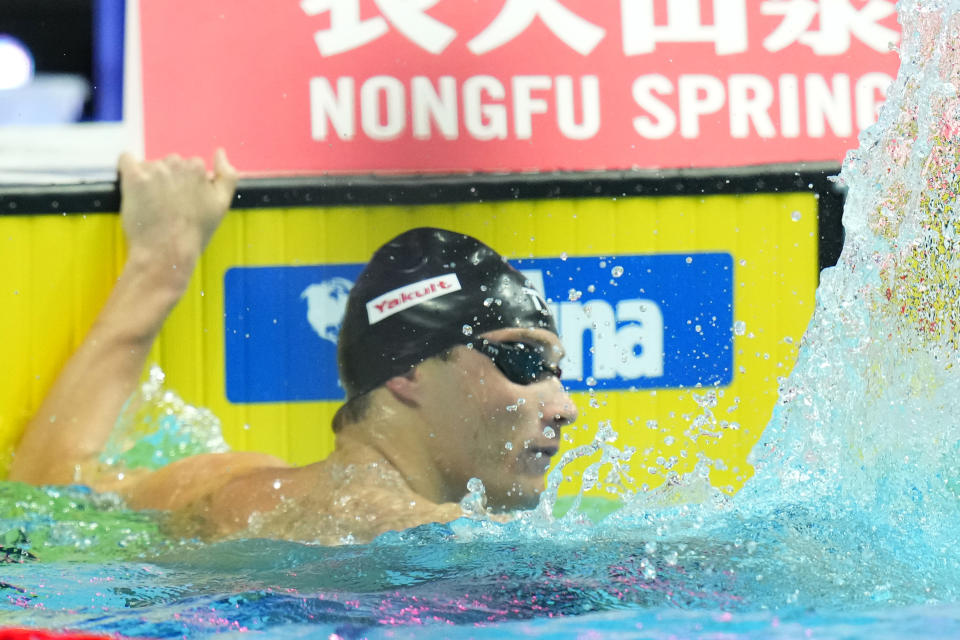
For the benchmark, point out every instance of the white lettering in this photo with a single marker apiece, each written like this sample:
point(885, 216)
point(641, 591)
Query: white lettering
point(484, 121)
point(785, 107)
point(410, 295)
point(825, 105)
point(870, 92)
point(525, 105)
point(663, 122)
point(335, 107)
point(589, 105)
point(750, 99)
point(789, 106)
point(410, 19)
point(640, 342)
point(700, 95)
point(684, 25)
point(348, 31)
point(430, 106)
point(594, 321)
point(383, 123)
point(627, 344)
point(517, 15)
point(838, 19)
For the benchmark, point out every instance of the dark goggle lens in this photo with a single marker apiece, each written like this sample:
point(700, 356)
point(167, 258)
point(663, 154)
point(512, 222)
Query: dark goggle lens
point(520, 362)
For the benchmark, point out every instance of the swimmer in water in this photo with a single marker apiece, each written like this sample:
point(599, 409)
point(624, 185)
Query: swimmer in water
point(448, 357)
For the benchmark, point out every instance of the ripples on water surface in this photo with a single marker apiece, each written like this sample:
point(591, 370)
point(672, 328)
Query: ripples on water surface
point(848, 528)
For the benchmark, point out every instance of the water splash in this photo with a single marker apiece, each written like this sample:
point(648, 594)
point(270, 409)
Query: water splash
point(156, 427)
point(857, 490)
point(863, 446)
point(73, 523)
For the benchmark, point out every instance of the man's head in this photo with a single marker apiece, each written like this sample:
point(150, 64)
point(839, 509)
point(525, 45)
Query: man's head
point(423, 292)
point(485, 406)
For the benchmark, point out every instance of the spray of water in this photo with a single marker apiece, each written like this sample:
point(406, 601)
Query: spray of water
point(156, 427)
point(857, 472)
point(857, 490)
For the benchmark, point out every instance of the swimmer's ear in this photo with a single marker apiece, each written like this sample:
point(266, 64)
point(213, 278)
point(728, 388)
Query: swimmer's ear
point(405, 388)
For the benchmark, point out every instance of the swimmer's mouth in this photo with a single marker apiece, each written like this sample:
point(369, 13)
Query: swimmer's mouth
point(543, 452)
point(537, 459)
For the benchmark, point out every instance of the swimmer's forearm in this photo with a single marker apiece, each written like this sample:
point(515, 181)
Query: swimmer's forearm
point(72, 425)
point(169, 211)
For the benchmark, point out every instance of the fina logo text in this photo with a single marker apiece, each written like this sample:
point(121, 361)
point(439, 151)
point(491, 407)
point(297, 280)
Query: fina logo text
point(627, 340)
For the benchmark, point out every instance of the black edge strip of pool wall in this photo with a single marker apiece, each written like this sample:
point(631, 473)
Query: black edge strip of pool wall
point(261, 193)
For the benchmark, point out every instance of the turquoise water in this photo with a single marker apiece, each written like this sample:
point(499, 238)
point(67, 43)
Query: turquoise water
point(848, 528)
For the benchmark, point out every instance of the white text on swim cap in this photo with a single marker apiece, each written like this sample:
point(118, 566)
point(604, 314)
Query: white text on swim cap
point(410, 295)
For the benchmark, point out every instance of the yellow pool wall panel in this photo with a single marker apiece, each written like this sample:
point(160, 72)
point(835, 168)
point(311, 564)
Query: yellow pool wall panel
point(56, 271)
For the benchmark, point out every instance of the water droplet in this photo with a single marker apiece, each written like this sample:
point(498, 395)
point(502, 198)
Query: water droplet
point(508, 446)
point(573, 295)
point(669, 440)
point(688, 260)
point(617, 271)
point(591, 381)
point(277, 484)
point(795, 216)
point(467, 330)
point(475, 485)
point(487, 302)
point(591, 288)
point(739, 327)
point(548, 432)
point(563, 256)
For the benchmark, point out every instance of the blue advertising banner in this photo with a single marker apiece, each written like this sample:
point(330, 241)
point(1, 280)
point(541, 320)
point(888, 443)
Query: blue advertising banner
point(626, 322)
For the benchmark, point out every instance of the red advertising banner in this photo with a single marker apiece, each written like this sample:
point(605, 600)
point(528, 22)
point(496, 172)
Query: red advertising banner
point(354, 86)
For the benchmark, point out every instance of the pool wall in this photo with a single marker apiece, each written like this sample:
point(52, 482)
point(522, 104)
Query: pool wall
point(662, 282)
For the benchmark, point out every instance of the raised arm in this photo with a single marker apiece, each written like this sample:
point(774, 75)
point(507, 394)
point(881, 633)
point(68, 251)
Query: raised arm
point(169, 211)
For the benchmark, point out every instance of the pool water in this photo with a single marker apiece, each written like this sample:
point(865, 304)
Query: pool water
point(848, 528)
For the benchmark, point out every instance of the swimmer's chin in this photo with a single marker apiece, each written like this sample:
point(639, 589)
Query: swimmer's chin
point(517, 499)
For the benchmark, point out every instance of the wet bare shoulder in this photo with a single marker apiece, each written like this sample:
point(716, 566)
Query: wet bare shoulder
point(349, 503)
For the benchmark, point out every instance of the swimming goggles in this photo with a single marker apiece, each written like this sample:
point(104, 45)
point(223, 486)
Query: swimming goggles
point(520, 362)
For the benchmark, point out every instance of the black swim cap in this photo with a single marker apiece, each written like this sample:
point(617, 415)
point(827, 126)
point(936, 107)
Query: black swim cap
point(423, 292)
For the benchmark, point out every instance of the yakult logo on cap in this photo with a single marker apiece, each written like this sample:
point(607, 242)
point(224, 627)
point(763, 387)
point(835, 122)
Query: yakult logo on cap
point(410, 295)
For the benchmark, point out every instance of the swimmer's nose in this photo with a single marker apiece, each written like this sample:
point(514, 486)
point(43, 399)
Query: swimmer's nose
point(558, 408)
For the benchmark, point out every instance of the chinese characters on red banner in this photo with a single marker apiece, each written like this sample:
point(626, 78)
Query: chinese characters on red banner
point(490, 85)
